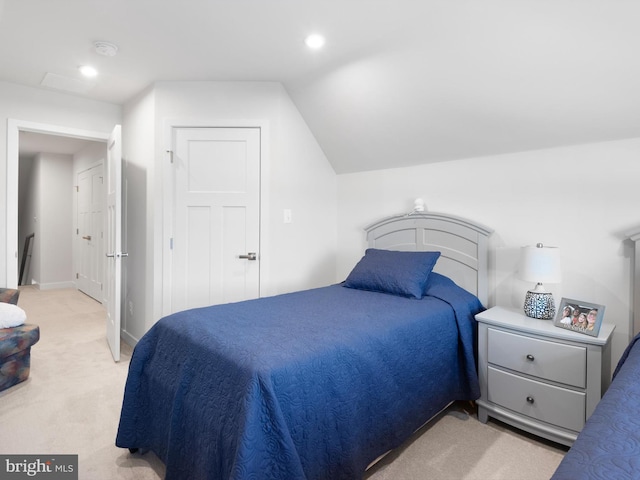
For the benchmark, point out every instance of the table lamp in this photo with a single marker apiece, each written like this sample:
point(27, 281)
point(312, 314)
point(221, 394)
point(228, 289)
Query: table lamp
point(540, 264)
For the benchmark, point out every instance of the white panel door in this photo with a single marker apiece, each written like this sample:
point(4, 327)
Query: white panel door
point(113, 278)
point(216, 234)
point(90, 197)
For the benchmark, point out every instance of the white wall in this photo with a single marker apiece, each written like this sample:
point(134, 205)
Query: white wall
point(37, 105)
point(582, 199)
point(56, 221)
point(47, 211)
point(138, 144)
point(295, 173)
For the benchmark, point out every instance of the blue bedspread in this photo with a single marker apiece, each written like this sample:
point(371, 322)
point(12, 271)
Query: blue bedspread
point(309, 385)
point(609, 445)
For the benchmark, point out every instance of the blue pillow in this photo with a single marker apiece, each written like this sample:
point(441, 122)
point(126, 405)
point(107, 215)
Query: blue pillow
point(397, 273)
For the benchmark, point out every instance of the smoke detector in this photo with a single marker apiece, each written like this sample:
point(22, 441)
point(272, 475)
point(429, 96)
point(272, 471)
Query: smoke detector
point(105, 48)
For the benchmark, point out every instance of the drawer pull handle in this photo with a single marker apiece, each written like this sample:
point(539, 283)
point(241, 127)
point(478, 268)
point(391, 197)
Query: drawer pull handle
point(530, 400)
point(530, 357)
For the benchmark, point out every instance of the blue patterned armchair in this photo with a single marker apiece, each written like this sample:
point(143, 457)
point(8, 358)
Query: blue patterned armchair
point(15, 346)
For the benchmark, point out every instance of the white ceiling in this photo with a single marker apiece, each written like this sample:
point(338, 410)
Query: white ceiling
point(399, 82)
point(31, 143)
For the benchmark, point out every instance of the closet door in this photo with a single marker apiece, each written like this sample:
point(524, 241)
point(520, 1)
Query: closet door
point(216, 232)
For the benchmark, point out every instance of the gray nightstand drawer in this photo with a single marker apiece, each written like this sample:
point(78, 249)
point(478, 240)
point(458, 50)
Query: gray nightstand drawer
point(548, 403)
point(553, 361)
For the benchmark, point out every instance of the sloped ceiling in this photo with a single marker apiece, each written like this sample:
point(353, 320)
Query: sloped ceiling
point(398, 83)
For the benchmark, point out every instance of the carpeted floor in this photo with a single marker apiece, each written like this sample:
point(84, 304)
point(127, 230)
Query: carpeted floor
point(456, 446)
point(71, 405)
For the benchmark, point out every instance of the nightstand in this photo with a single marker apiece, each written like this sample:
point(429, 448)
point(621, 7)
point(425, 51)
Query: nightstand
point(539, 377)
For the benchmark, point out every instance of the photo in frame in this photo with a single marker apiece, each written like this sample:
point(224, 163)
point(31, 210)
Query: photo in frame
point(579, 316)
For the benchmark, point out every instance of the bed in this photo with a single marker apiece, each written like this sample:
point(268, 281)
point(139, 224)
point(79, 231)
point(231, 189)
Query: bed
point(315, 384)
point(609, 444)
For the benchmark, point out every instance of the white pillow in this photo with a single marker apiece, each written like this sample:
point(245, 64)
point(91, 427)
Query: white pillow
point(11, 315)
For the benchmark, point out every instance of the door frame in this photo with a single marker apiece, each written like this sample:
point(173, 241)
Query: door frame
point(167, 195)
point(14, 127)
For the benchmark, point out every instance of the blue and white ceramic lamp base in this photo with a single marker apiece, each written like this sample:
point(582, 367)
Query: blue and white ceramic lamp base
point(539, 305)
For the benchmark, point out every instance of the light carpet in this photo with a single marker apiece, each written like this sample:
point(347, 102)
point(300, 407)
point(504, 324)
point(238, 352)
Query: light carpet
point(71, 405)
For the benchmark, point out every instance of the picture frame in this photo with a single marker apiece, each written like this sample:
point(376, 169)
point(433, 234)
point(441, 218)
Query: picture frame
point(579, 316)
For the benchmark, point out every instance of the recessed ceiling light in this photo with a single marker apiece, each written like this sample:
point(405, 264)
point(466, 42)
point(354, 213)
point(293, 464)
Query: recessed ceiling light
point(314, 41)
point(88, 71)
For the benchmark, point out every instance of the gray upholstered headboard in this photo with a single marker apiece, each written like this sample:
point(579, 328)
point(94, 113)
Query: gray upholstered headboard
point(463, 245)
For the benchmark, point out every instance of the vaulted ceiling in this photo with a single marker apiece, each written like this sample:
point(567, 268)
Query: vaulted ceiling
point(398, 82)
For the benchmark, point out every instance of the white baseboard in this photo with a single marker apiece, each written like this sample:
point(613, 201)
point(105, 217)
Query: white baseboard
point(128, 338)
point(54, 286)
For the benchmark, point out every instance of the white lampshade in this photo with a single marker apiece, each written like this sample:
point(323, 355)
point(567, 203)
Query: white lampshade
point(540, 264)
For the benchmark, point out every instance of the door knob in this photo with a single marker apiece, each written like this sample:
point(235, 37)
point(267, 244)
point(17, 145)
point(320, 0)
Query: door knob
point(249, 256)
point(88, 237)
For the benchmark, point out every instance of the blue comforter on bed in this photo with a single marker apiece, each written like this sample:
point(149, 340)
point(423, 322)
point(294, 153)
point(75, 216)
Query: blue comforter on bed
point(309, 385)
point(609, 445)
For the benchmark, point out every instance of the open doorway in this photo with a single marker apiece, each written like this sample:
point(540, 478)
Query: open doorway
point(61, 154)
point(60, 213)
